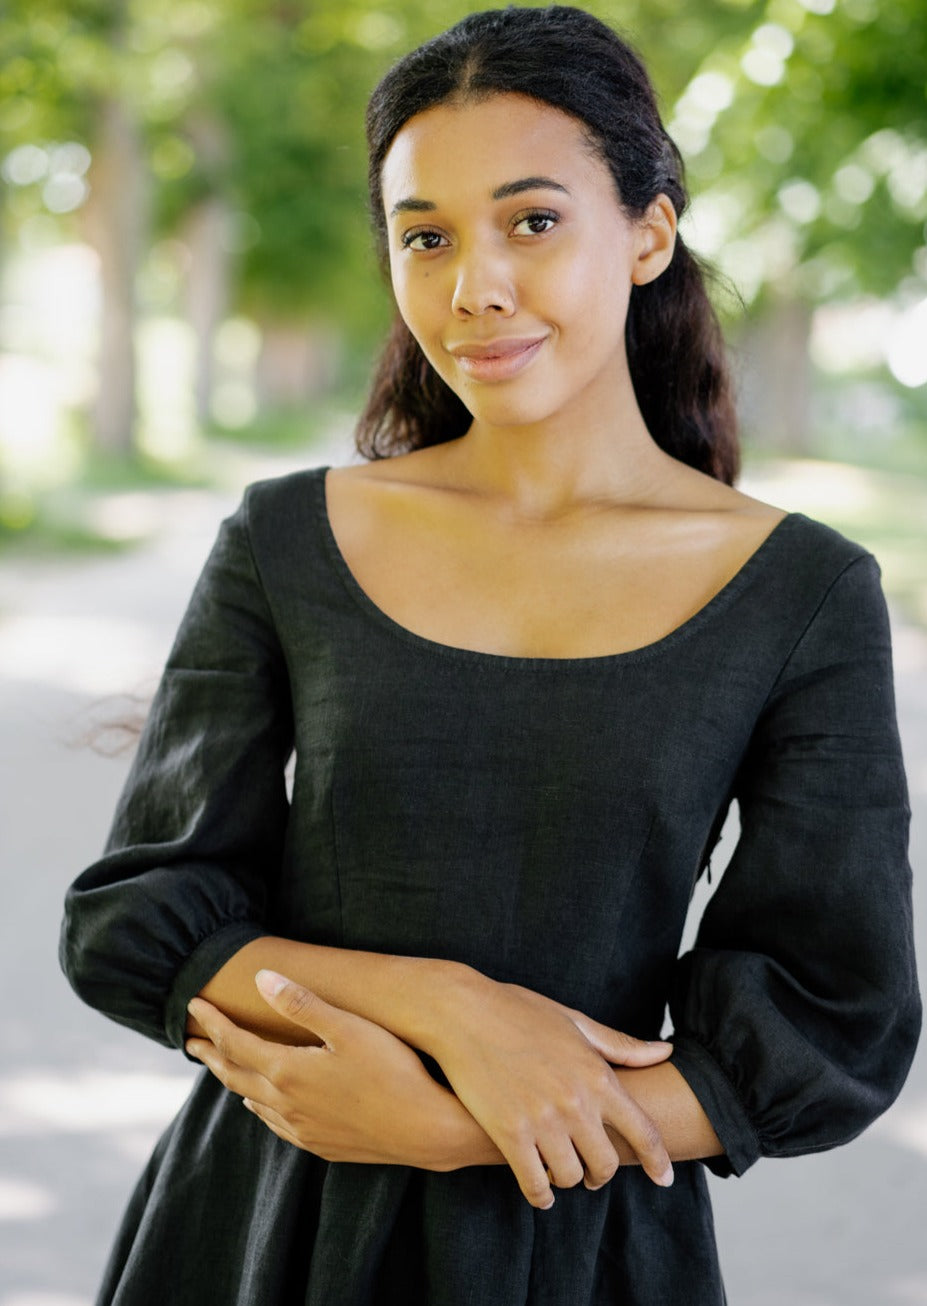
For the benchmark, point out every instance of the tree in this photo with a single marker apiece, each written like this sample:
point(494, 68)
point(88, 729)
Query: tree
point(236, 129)
point(806, 135)
point(65, 84)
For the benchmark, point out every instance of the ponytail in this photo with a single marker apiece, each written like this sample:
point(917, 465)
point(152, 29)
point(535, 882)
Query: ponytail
point(678, 366)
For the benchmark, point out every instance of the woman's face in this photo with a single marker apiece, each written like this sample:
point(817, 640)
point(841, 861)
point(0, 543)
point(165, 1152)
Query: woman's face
point(511, 259)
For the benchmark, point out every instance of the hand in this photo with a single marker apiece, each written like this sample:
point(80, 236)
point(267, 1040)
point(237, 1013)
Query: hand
point(536, 1076)
point(361, 1095)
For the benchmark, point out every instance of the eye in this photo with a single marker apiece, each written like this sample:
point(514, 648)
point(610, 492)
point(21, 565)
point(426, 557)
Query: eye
point(422, 240)
point(538, 222)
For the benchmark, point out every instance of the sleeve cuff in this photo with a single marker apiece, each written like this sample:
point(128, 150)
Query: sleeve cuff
point(198, 969)
point(722, 1106)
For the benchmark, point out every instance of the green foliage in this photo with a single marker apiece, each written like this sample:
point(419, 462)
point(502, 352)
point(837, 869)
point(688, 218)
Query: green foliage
point(804, 123)
point(813, 162)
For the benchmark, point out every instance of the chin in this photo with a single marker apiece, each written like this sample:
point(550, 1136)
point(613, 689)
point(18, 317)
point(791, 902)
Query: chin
point(513, 417)
point(499, 409)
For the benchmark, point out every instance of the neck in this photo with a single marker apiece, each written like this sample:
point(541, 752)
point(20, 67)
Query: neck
point(552, 468)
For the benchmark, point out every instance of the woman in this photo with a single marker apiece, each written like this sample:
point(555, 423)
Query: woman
point(526, 661)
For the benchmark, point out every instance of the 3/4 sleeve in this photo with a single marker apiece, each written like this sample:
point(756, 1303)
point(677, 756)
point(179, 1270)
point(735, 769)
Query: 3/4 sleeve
point(797, 1012)
point(198, 832)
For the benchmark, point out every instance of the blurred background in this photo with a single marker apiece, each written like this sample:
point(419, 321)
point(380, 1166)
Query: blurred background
point(188, 300)
point(186, 270)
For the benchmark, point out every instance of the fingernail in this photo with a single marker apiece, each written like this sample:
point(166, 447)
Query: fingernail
point(269, 982)
point(193, 1006)
point(190, 1049)
point(549, 1205)
point(658, 1043)
point(666, 1179)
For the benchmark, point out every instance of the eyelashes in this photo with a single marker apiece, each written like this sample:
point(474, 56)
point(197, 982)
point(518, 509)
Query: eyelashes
point(538, 216)
point(427, 236)
point(430, 239)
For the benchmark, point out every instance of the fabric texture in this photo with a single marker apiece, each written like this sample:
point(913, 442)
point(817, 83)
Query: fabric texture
point(544, 820)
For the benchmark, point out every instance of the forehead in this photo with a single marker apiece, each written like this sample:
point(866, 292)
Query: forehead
point(483, 144)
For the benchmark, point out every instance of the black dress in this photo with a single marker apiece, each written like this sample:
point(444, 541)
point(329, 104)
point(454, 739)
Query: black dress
point(544, 820)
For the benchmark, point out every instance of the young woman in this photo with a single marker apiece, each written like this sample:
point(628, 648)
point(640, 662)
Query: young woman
point(526, 657)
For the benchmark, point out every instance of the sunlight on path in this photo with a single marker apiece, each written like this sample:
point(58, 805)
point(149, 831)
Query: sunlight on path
point(42, 1299)
point(84, 655)
point(906, 1125)
point(43, 1102)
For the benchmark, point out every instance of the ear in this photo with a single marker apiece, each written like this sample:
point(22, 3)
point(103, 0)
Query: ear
point(656, 241)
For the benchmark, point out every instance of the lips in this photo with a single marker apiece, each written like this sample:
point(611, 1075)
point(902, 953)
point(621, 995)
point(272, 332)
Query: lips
point(496, 360)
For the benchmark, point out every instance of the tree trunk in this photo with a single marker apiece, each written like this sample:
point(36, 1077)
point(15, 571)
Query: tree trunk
point(207, 291)
point(775, 378)
point(297, 362)
point(116, 225)
point(206, 231)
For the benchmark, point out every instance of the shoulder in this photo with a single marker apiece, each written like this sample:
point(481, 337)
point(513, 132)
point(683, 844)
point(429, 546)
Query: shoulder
point(814, 577)
point(791, 559)
point(282, 503)
point(817, 550)
point(826, 595)
point(811, 552)
point(290, 495)
point(280, 514)
point(275, 531)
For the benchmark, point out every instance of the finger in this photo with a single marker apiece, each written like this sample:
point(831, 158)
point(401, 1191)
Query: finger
point(302, 1006)
point(642, 1136)
point(623, 1049)
point(272, 1121)
point(563, 1166)
point(531, 1174)
point(598, 1155)
point(238, 1079)
point(234, 1043)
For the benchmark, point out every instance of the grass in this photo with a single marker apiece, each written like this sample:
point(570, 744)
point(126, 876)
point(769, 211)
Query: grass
point(65, 518)
point(45, 536)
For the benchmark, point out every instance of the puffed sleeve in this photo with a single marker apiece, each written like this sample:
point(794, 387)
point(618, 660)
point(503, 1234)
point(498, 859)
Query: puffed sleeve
point(796, 1013)
point(198, 832)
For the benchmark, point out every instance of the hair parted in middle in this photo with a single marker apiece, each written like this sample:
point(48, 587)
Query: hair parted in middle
point(564, 57)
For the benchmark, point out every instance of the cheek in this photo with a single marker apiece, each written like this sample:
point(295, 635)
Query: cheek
point(591, 298)
point(415, 298)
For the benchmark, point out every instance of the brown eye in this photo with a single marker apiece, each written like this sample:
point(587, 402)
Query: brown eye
point(422, 240)
point(537, 223)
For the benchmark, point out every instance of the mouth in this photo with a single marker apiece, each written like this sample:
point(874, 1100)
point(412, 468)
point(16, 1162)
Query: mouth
point(496, 360)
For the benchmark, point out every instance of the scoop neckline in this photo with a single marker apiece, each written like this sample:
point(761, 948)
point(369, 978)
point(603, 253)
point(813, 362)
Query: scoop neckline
point(718, 601)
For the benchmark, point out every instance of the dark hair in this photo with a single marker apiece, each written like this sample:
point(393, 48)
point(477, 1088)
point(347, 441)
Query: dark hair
point(566, 58)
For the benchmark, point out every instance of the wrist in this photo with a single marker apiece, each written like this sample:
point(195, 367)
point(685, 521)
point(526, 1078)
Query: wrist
point(432, 993)
point(459, 1141)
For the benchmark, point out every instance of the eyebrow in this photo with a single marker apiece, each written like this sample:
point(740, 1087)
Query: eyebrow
point(504, 192)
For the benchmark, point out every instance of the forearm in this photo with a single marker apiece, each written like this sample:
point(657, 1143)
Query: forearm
point(456, 1140)
point(667, 1098)
point(413, 998)
point(399, 993)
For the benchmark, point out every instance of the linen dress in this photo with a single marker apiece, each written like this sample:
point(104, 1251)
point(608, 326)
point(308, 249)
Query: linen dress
point(544, 820)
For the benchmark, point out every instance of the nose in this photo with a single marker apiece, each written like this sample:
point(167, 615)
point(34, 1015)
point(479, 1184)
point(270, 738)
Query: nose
point(483, 284)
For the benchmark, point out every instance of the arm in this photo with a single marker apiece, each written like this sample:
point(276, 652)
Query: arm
point(398, 1114)
point(515, 1037)
point(663, 1093)
point(200, 824)
point(796, 1014)
point(345, 1089)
